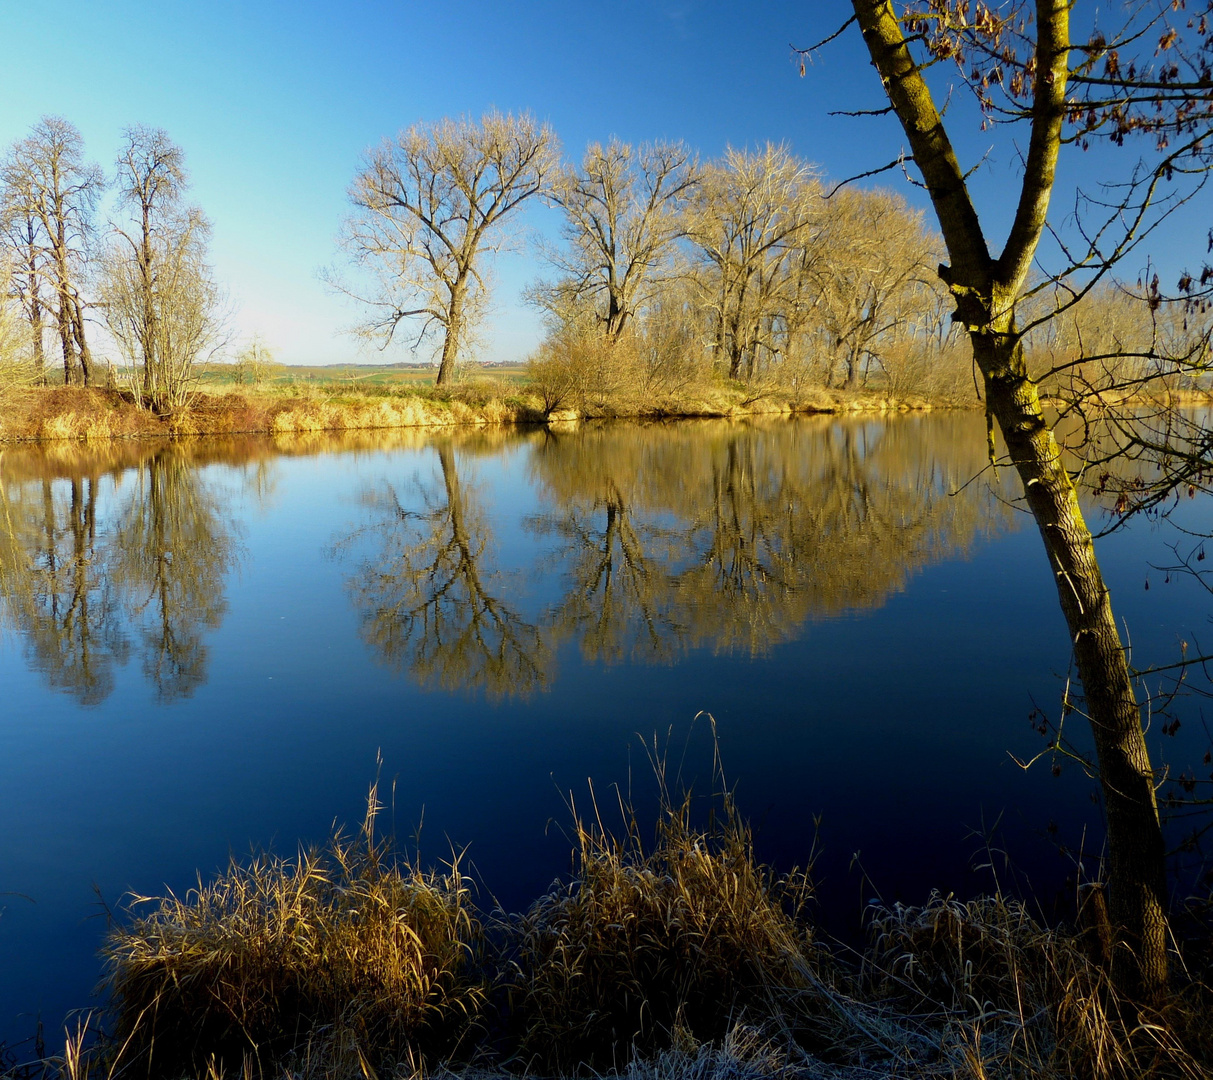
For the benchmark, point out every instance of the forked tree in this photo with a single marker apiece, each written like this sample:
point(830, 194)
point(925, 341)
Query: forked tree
point(622, 221)
point(428, 206)
point(1024, 67)
point(163, 306)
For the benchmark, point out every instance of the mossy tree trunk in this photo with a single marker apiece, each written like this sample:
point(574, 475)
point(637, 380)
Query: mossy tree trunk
point(986, 291)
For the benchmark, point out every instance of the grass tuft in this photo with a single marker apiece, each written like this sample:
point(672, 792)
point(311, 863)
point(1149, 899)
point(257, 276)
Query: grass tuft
point(1024, 1000)
point(642, 950)
point(344, 945)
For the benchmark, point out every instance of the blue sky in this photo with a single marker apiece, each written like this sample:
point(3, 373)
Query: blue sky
point(274, 103)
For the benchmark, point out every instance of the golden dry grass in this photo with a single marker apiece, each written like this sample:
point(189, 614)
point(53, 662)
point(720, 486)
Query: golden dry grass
point(1024, 1000)
point(93, 415)
point(643, 948)
point(345, 945)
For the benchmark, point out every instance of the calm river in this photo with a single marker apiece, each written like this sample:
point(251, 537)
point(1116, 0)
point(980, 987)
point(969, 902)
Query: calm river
point(206, 645)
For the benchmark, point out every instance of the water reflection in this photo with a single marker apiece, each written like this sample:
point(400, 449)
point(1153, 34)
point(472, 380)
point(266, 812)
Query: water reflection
point(54, 587)
point(637, 543)
point(662, 538)
point(105, 556)
point(173, 545)
point(429, 604)
point(732, 536)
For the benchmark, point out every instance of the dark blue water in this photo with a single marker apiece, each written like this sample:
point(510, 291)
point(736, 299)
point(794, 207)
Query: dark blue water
point(206, 646)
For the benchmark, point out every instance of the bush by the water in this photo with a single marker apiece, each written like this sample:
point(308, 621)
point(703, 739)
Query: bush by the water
point(681, 960)
point(347, 945)
point(644, 947)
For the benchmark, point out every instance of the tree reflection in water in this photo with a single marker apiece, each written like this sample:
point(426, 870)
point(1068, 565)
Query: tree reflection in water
point(732, 536)
point(429, 602)
point(173, 547)
point(88, 576)
point(667, 537)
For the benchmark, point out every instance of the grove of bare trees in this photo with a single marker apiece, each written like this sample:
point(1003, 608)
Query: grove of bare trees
point(669, 272)
point(145, 280)
point(748, 269)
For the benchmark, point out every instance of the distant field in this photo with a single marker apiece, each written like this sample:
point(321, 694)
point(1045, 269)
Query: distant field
point(365, 375)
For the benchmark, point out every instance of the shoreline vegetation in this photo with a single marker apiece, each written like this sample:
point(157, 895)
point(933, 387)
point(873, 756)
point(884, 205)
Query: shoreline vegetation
point(43, 414)
point(90, 414)
point(676, 957)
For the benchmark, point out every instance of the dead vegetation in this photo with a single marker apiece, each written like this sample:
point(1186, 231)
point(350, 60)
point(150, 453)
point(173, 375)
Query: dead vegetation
point(91, 414)
point(683, 959)
point(346, 951)
point(644, 948)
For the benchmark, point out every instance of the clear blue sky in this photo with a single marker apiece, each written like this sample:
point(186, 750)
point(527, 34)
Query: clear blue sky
point(274, 104)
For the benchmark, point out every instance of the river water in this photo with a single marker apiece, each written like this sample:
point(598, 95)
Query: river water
point(207, 645)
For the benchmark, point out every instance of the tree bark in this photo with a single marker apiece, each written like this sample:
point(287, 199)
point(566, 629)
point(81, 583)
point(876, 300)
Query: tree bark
point(86, 357)
point(986, 291)
point(36, 332)
point(450, 343)
point(64, 320)
point(35, 309)
point(852, 381)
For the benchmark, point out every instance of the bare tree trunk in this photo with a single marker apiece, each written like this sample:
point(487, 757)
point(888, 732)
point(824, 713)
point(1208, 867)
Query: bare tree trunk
point(734, 360)
point(86, 357)
point(736, 348)
point(450, 343)
point(64, 319)
point(39, 352)
point(148, 329)
point(35, 313)
point(852, 381)
point(616, 316)
point(1137, 868)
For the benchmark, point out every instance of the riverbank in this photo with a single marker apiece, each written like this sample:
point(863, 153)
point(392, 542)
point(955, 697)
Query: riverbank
point(75, 413)
point(683, 958)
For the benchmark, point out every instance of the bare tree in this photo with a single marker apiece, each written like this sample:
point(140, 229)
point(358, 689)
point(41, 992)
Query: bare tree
point(50, 194)
point(749, 219)
point(1148, 77)
point(20, 239)
point(876, 256)
point(253, 362)
point(428, 206)
point(162, 303)
point(622, 219)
